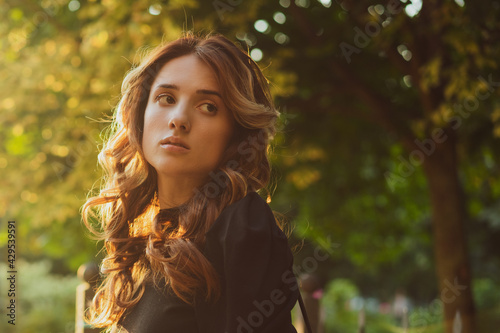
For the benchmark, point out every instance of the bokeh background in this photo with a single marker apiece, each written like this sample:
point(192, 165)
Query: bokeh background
point(386, 165)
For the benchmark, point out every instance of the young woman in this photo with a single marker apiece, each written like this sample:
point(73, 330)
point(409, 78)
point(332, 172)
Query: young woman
point(190, 245)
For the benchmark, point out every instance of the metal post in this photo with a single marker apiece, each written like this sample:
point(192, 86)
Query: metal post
point(308, 285)
point(89, 274)
point(362, 320)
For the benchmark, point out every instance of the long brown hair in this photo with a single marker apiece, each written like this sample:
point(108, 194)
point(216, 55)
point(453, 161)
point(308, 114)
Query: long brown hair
point(138, 245)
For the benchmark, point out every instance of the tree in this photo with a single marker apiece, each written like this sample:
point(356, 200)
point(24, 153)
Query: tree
point(419, 75)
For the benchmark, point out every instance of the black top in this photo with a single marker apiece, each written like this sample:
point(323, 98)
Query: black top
point(251, 255)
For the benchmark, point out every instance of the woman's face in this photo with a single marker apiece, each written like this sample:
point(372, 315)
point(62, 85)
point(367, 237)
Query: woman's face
point(187, 126)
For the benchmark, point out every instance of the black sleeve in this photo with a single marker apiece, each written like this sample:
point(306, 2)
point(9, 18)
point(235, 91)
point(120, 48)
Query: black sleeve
point(256, 268)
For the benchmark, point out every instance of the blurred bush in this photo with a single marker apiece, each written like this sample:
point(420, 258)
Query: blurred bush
point(486, 294)
point(336, 299)
point(45, 301)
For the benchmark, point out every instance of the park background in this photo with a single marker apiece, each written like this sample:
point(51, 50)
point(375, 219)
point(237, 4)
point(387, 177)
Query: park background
point(387, 157)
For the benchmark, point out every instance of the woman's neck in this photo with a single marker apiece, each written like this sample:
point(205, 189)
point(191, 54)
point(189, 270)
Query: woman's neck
point(174, 191)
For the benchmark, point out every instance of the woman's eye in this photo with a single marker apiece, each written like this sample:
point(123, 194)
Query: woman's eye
point(165, 99)
point(210, 108)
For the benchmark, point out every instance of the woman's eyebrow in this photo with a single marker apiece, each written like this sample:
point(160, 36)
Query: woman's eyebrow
point(208, 92)
point(167, 86)
point(199, 91)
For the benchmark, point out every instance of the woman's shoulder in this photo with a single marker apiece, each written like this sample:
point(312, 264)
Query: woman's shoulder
point(251, 214)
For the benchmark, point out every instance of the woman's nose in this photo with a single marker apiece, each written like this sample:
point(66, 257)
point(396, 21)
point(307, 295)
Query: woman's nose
point(179, 118)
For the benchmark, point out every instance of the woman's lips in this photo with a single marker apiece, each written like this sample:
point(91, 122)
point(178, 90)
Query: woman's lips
point(174, 144)
point(174, 148)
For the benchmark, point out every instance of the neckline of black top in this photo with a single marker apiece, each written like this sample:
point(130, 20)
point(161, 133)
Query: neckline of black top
point(169, 214)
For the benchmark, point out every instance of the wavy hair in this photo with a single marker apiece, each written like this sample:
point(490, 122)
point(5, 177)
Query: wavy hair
point(139, 246)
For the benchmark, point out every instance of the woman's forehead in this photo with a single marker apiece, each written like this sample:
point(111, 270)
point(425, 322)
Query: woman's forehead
point(187, 71)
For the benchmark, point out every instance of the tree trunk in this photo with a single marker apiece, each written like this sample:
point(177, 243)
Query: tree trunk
point(450, 248)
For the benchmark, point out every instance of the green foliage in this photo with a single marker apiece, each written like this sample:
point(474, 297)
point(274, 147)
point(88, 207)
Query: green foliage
point(343, 305)
point(335, 301)
point(487, 294)
point(45, 301)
